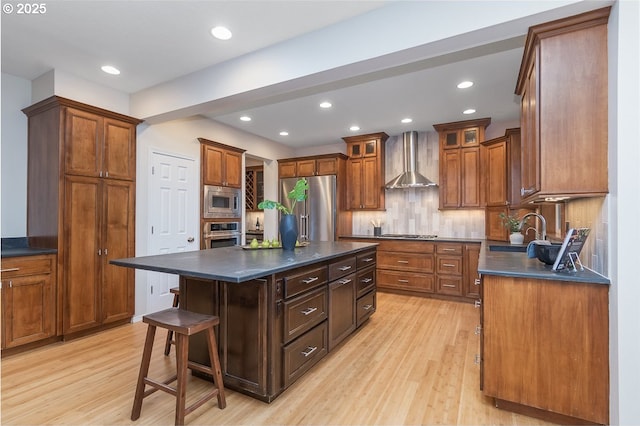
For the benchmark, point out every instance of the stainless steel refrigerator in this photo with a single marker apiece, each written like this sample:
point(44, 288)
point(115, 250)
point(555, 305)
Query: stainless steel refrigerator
point(317, 215)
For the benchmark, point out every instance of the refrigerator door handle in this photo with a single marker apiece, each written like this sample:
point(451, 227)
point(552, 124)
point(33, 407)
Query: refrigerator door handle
point(303, 228)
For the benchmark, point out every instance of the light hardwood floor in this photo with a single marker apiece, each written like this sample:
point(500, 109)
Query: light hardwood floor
point(412, 363)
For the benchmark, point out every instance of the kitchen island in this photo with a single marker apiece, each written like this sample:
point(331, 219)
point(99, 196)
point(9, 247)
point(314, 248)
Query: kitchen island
point(280, 311)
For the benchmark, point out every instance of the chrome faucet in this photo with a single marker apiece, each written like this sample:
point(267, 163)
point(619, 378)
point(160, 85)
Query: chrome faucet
point(542, 219)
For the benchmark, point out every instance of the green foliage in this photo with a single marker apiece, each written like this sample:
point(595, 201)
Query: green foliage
point(298, 193)
point(511, 222)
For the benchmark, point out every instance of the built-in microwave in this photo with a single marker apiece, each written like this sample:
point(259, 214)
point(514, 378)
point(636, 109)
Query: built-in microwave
point(221, 202)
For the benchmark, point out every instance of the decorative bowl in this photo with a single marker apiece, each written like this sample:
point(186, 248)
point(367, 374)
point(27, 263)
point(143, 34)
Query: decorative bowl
point(547, 253)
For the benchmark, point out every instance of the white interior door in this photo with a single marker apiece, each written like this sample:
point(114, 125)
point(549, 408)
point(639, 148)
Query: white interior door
point(173, 217)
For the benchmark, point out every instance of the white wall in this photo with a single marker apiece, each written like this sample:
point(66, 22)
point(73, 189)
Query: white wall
point(16, 94)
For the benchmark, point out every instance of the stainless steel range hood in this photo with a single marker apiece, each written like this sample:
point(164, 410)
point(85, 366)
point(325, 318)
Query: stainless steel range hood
point(410, 178)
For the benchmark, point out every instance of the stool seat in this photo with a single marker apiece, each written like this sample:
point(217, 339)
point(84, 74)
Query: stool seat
point(184, 324)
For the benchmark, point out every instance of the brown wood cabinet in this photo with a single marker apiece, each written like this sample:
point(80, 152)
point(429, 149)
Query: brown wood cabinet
point(317, 165)
point(545, 346)
point(253, 187)
point(221, 164)
point(460, 178)
point(471, 282)
point(28, 299)
point(86, 210)
point(365, 171)
point(564, 87)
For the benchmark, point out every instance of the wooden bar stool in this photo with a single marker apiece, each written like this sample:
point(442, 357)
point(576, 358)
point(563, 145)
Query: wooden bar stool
point(184, 324)
point(176, 303)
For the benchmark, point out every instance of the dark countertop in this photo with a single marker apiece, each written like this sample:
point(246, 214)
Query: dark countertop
point(437, 239)
point(235, 264)
point(517, 264)
point(19, 246)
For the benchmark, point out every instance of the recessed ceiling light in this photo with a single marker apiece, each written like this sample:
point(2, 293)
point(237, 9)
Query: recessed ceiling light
point(245, 118)
point(325, 104)
point(469, 111)
point(406, 120)
point(109, 69)
point(354, 128)
point(284, 133)
point(221, 33)
point(465, 84)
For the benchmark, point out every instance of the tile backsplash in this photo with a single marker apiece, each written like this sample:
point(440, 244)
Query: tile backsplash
point(591, 213)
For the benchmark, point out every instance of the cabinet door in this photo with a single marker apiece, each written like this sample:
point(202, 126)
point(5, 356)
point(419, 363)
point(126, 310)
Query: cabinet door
point(287, 169)
point(306, 168)
point(496, 174)
point(470, 267)
point(355, 183)
point(28, 300)
point(470, 178)
point(370, 183)
point(117, 243)
point(119, 150)
point(81, 274)
point(450, 178)
point(233, 169)
point(450, 139)
point(212, 160)
point(530, 142)
point(470, 137)
point(83, 142)
point(363, 149)
point(342, 309)
point(494, 229)
point(326, 166)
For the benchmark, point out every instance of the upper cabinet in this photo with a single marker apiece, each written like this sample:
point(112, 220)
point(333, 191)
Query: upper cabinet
point(460, 180)
point(221, 164)
point(316, 165)
point(365, 171)
point(563, 84)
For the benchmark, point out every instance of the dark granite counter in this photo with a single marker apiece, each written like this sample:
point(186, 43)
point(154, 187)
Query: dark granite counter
point(436, 239)
point(235, 264)
point(14, 247)
point(517, 264)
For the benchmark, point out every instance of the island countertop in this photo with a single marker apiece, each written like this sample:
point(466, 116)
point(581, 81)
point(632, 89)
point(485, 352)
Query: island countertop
point(235, 264)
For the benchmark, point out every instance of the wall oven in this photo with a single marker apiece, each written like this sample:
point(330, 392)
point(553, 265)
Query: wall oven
point(221, 234)
point(221, 202)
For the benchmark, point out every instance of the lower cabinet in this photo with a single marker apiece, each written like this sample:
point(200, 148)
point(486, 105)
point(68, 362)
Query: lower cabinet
point(274, 329)
point(545, 347)
point(28, 299)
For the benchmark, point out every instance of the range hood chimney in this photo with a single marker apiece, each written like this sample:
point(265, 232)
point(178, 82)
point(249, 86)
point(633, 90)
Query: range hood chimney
point(410, 178)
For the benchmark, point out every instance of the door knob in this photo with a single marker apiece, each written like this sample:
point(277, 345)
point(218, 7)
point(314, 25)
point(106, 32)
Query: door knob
point(190, 239)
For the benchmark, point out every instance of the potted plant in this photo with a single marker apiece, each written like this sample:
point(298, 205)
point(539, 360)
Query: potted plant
point(512, 223)
point(288, 221)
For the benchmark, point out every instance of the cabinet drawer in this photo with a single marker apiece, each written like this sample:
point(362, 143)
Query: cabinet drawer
point(304, 352)
point(406, 246)
point(405, 281)
point(27, 265)
point(450, 265)
point(365, 280)
point(303, 280)
point(449, 248)
point(415, 262)
point(450, 285)
point(366, 259)
point(365, 307)
point(304, 312)
point(342, 267)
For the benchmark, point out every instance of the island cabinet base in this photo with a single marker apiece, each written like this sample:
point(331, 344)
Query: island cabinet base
point(274, 329)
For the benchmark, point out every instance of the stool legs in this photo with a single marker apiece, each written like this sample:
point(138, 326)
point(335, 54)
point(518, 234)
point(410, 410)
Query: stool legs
point(215, 368)
point(167, 345)
point(182, 353)
point(144, 370)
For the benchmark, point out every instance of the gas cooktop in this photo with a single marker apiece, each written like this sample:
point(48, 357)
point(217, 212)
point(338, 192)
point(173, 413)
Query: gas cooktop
point(411, 236)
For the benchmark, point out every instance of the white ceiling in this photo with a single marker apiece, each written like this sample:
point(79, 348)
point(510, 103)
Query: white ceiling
point(157, 41)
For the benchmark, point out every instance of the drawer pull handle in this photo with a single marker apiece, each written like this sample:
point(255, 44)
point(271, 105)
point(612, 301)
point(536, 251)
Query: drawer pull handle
point(368, 259)
point(344, 281)
point(403, 261)
point(476, 282)
point(403, 281)
point(449, 265)
point(308, 311)
point(366, 280)
point(448, 249)
point(310, 280)
point(344, 268)
point(477, 303)
point(309, 351)
point(449, 285)
point(367, 307)
point(478, 329)
point(10, 270)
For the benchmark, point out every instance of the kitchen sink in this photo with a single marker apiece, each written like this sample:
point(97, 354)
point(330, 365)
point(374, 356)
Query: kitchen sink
point(514, 248)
